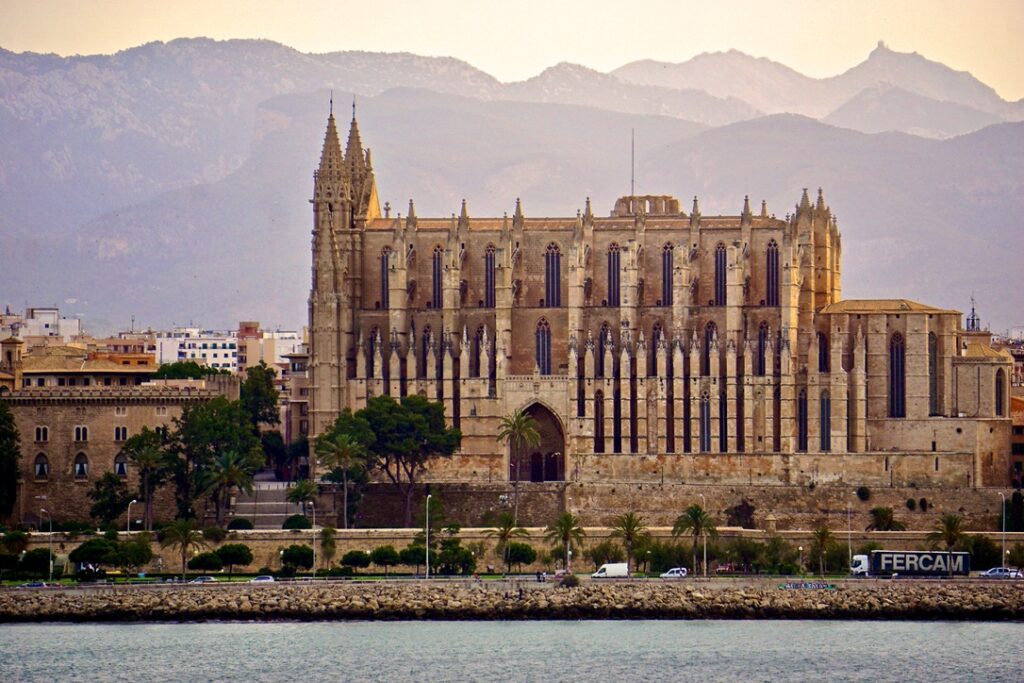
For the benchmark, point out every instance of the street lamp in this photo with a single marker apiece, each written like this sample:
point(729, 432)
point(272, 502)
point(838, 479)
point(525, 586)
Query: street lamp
point(133, 502)
point(49, 541)
point(313, 508)
point(1002, 511)
point(801, 549)
point(568, 562)
point(703, 531)
point(428, 537)
point(849, 536)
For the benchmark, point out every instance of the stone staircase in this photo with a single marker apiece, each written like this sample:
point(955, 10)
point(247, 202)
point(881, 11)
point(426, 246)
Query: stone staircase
point(266, 508)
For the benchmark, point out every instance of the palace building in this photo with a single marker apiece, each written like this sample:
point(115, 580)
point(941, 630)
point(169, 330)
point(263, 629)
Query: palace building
point(649, 333)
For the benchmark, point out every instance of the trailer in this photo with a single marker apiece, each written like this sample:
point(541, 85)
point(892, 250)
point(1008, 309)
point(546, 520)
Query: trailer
point(911, 563)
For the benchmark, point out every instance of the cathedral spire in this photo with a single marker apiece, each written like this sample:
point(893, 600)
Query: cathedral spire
point(330, 157)
point(820, 206)
point(354, 149)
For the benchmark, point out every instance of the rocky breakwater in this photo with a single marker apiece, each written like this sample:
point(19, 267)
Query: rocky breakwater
point(508, 600)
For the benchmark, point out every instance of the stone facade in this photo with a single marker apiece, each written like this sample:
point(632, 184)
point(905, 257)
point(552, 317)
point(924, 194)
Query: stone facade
point(714, 341)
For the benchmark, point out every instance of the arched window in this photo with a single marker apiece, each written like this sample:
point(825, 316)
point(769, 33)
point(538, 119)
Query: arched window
point(42, 466)
point(760, 366)
point(121, 466)
point(666, 274)
point(613, 274)
point(599, 421)
point(801, 421)
point(823, 352)
point(1000, 388)
point(371, 351)
point(825, 420)
point(424, 351)
point(489, 276)
point(81, 466)
point(933, 374)
point(720, 275)
point(705, 423)
point(436, 280)
point(385, 256)
point(603, 337)
point(42, 434)
point(723, 423)
point(543, 341)
point(652, 350)
point(81, 433)
point(772, 275)
point(553, 276)
point(710, 333)
point(475, 351)
point(897, 377)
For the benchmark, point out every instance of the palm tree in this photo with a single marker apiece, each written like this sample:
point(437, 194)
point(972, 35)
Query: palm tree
point(519, 431)
point(340, 452)
point(822, 540)
point(301, 492)
point(229, 470)
point(567, 532)
point(949, 530)
point(882, 520)
point(145, 451)
point(504, 531)
point(183, 536)
point(696, 521)
point(631, 529)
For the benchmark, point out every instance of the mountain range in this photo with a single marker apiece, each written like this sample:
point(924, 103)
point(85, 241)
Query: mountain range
point(170, 181)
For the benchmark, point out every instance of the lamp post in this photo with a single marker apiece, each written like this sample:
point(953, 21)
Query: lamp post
point(1002, 510)
point(49, 541)
point(568, 562)
point(313, 508)
point(801, 549)
point(129, 529)
point(849, 536)
point(703, 531)
point(427, 575)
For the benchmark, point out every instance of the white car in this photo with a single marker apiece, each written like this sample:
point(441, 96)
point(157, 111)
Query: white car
point(675, 573)
point(262, 579)
point(1001, 573)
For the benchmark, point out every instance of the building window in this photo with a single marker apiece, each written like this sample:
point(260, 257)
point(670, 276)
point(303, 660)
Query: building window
point(371, 351)
point(425, 351)
point(801, 421)
point(42, 466)
point(120, 433)
point(723, 423)
point(1000, 382)
point(161, 411)
point(604, 338)
point(120, 411)
point(42, 434)
point(652, 360)
point(543, 341)
point(666, 275)
point(303, 426)
point(599, 421)
point(720, 275)
point(489, 276)
point(710, 335)
point(825, 420)
point(933, 374)
point(385, 255)
point(823, 352)
point(81, 466)
point(474, 352)
point(81, 433)
point(897, 377)
point(436, 293)
point(705, 423)
point(772, 274)
point(121, 466)
point(553, 276)
point(613, 274)
point(760, 365)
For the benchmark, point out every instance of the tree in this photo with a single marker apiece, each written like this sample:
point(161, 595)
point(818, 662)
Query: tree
point(15, 541)
point(95, 551)
point(603, 553)
point(567, 533)
point(519, 431)
point(385, 556)
point(342, 448)
point(10, 454)
point(520, 554)
point(696, 521)
point(145, 451)
point(406, 437)
point(746, 553)
point(948, 530)
point(232, 554)
point(206, 562)
point(133, 553)
point(631, 529)
point(36, 562)
point(110, 498)
point(328, 546)
point(300, 556)
point(822, 540)
point(183, 536)
point(230, 470)
point(259, 397)
point(357, 559)
point(413, 556)
point(504, 531)
point(297, 522)
point(186, 369)
point(301, 492)
point(882, 519)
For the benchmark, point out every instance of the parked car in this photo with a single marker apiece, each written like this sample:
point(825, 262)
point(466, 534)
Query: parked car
point(559, 573)
point(262, 579)
point(724, 568)
point(675, 573)
point(33, 584)
point(203, 579)
point(1001, 573)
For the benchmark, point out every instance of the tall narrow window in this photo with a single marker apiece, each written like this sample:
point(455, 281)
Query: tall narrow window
point(825, 420)
point(1000, 382)
point(720, 275)
point(705, 423)
point(723, 423)
point(772, 274)
point(760, 367)
point(710, 333)
point(385, 257)
point(652, 358)
point(475, 352)
point(489, 276)
point(599, 421)
point(121, 465)
point(543, 341)
point(613, 274)
point(666, 275)
point(553, 276)
point(933, 374)
point(425, 351)
point(371, 351)
point(603, 346)
point(81, 466)
point(822, 352)
point(436, 280)
point(801, 421)
point(897, 377)
point(42, 466)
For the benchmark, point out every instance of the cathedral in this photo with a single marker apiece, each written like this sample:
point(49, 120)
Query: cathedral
point(652, 336)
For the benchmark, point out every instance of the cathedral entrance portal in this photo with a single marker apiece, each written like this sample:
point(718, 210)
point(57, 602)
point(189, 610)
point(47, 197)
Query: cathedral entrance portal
point(546, 461)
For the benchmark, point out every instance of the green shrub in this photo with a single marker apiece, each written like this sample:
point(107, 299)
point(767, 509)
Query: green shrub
point(864, 493)
point(356, 558)
point(206, 562)
point(15, 541)
point(214, 534)
point(519, 554)
point(264, 570)
point(385, 556)
point(36, 562)
point(94, 551)
point(604, 552)
point(234, 554)
point(298, 556)
point(240, 524)
point(570, 581)
point(297, 522)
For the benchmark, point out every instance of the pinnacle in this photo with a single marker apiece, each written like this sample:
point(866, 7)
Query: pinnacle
point(330, 157)
point(354, 149)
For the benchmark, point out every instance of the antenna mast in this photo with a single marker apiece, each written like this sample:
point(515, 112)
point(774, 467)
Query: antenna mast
point(632, 161)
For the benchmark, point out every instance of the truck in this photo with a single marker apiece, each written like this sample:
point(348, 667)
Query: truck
point(612, 570)
point(911, 563)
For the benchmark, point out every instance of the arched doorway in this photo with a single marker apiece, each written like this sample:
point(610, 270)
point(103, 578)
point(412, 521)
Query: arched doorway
point(545, 462)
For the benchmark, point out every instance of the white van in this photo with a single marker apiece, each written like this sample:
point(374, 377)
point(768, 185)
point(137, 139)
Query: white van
point(613, 570)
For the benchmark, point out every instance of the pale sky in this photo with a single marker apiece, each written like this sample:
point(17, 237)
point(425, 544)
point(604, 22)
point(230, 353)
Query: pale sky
point(516, 39)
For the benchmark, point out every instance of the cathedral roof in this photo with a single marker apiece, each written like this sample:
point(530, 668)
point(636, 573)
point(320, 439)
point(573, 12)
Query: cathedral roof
point(979, 350)
point(568, 223)
point(895, 306)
